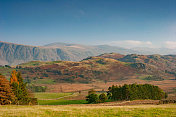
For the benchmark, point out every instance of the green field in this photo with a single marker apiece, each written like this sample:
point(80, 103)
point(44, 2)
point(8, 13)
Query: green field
point(57, 99)
point(89, 111)
point(61, 102)
point(43, 96)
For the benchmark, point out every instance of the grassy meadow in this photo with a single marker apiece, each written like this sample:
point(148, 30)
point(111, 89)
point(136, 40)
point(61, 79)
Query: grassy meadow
point(43, 96)
point(61, 102)
point(57, 99)
point(89, 111)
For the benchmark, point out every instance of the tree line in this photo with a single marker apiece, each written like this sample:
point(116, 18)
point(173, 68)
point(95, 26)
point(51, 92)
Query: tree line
point(128, 92)
point(135, 91)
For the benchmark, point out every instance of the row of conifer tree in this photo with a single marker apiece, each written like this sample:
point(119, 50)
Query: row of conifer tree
point(127, 92)
point(135, 91)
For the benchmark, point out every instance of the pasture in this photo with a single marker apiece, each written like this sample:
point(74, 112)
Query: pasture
point(166, 110)
point(57, 98)
point(50, 96)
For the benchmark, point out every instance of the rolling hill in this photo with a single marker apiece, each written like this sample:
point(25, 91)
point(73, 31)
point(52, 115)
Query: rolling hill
point(105, 67)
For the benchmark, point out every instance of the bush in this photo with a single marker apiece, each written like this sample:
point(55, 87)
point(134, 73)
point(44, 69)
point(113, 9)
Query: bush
point(92, 98)
point(102, 97)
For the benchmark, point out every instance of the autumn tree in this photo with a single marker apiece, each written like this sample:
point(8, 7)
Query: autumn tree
point(6, 94)
point(13, 78)
point(19, 88)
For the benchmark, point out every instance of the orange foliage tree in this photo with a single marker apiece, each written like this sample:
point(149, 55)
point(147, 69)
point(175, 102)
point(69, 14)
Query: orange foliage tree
point(6, 94)
point(13, 78)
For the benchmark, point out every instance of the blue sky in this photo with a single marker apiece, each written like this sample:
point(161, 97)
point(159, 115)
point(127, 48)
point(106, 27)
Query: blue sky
point(126, 23)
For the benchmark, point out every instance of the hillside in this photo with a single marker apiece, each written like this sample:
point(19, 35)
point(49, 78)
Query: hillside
point(85, 71)
point(163, 63)
point(13, 54)
point(106, 67)
point(99, 72)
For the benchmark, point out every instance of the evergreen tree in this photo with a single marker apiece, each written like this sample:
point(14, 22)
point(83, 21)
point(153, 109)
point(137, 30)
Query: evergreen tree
point(19, 88)
point(136, 91)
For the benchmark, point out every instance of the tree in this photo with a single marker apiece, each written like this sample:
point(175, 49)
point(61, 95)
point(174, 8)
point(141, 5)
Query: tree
point(102, 97)
point(92, 98)
point(19, 89)
point(136, 91)
point(6, 94)
point(13, 78)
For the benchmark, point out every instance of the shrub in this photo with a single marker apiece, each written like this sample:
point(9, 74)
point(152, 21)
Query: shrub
point(92, 98)
point(102, 97)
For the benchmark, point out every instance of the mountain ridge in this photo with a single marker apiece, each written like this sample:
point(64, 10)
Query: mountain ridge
point(13, 54)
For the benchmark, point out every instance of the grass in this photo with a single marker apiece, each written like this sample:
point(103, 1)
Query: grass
point(45, 95)
point(61, 102)
point(89, 111)
point(51, 99)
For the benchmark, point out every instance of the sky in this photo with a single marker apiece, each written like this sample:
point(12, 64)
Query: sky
point(123, 23)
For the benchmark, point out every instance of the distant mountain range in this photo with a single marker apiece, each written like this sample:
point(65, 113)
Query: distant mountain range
point(13, 54)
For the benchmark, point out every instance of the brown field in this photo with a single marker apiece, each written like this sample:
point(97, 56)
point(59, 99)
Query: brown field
point(168, 86)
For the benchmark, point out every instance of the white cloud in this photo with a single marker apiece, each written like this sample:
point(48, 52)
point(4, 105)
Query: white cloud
point(170, 44)
point(131, 43)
